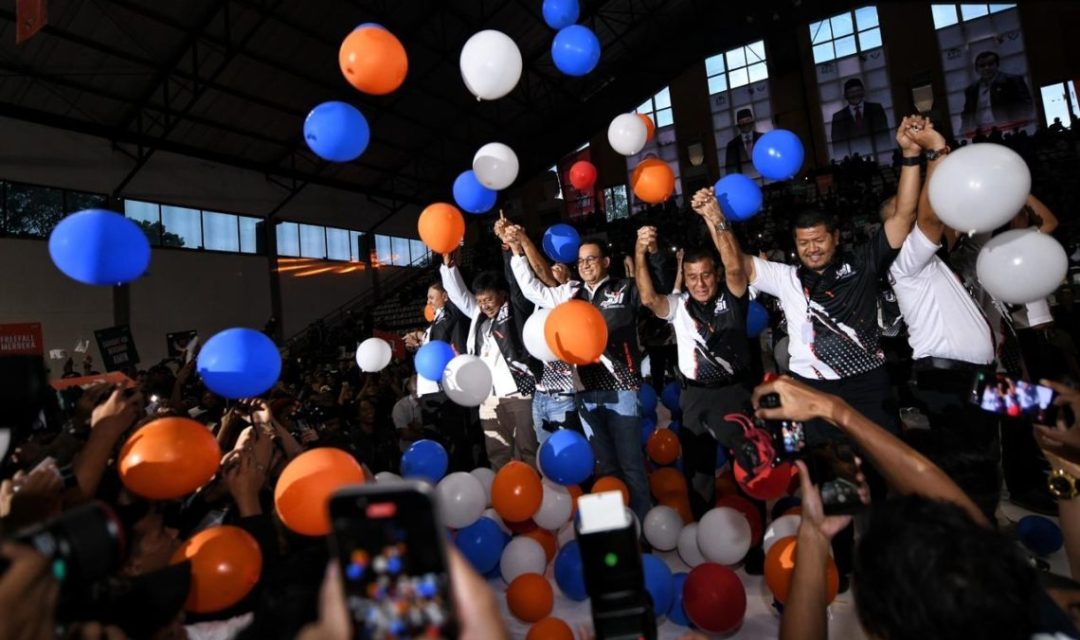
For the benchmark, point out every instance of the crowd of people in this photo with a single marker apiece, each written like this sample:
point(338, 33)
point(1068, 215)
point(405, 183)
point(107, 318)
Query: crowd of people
point(862, 324)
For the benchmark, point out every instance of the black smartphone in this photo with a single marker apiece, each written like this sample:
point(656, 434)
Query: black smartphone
point(834, 470)
point(1015, 398)
point(390, 544)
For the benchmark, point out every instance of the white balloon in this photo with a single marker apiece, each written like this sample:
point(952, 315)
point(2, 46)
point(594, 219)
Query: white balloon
point(689, 551)
point(461, 499)
point(627, 134)
point(522, 555)
point(491, 513)
point(495, 165)
point(490, 64)
point(662, 527)
point(467, 381)
point(533, 336)
point(637, 522)
point(373, 355)
point(1021, 266)
point(555, 507)
point(486, 476)
point(979, 187)
point(724, 535)
point(387, 477)
point(782, 527)
point(5, 442)
point(566, 534)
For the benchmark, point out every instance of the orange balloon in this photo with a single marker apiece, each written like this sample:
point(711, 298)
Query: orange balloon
point(550, 629)
point(429, 313)
point(373, 60)
point(681, 504)
point(441, 227)
point(780, 566)
point(530, 597)
point(611, 483)
point(650, 128)
point(546, 539)
point(666, 482)
point(575, 493)
point(225, 564)
point(725, 485)
point(653, 181)
point(516, 492)
point(169, 458)
point(302, 494)
point(576, 332)
point(663, 446)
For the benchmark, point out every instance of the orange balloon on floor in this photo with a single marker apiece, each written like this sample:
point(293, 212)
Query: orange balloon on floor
point(550, 629)
point(516, 492)
point(575, 493)
point(653, 181)
point(725, 484)
point(681, 504)
point(576, 332)
point(666, 482)
point(748, 509)
point(226, 563)
point(530, 597)
point(429, 313)
point(441, 227)
point(169, 458)
point(650, 128)
point(780, 565)
point(547, 541)
point(373, 60)
point(663, 446)
point(611, 483)
point(302, 494)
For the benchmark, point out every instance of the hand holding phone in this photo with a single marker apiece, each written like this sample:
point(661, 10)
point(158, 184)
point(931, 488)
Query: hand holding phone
point(1015, 398)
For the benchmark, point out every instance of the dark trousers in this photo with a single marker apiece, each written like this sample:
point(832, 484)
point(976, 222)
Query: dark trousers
point(458, 429)
point(703, 427)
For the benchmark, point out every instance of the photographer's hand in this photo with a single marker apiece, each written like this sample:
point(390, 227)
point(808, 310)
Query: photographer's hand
point(28, 595)
point(797, 401)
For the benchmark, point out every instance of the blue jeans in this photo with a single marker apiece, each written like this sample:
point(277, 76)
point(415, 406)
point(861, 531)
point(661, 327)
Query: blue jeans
point(555, 412)
point(614, 418)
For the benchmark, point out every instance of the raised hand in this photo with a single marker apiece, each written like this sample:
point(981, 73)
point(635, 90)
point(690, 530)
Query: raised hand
point(797, 401)
point(118, 413)
point(928, 138)
point(909, 127)
point(646, 240)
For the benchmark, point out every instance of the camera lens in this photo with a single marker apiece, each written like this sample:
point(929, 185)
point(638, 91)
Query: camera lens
point(85, 544)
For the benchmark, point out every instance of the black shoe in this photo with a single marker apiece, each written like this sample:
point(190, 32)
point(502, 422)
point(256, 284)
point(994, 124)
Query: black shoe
point(1036, 501)
point(845, 584)
point(755, 561)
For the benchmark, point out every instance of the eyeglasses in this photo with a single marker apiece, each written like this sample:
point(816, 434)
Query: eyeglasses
point(589, 259)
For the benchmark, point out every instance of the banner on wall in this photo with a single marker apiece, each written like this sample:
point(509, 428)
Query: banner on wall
point(579, 204)
point(182, 344)
point(856, 105)
point(740, 117)
point(22, 339)
point(986, 75)
point(117, 347)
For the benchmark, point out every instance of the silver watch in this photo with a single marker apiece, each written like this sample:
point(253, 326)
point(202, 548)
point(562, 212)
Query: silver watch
point(722, 226)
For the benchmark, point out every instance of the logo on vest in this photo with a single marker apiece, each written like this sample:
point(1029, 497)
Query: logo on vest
point(613, 299)
point(845, 271)
point(720, 306)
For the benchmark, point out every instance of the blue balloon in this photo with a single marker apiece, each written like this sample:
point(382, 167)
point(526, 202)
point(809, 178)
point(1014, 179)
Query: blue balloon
point(649, 400)
point(561, 243)
point(336, 131)
point(482, 544)
point(675, 426)
point(239, 363)
point(566, 457)
point(472, 196)
point(570, 572)
point(575, 50)
point(425, 459)
point(373, 25)
point(658, 582)
point(99, 247)
point(778, 155)
point(670, 396)
point(648, 426)
point(559, 14)
point(676, 613)
point(757, 319)
point(1039, 534)
point(740, 197)
point(432, 358)
point(721, 455)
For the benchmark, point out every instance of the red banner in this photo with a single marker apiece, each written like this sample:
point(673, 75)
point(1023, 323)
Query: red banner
point(21, 339)
point(30, 17)
point(397, 343)
point(579, 204)
point(113, 377)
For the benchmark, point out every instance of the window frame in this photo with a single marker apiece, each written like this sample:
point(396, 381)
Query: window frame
point(855, 35)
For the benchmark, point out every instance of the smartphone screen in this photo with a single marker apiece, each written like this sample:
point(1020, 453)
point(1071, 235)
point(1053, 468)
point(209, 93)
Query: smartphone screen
point(1015, 398)
point(389, 545)
point(834, 470)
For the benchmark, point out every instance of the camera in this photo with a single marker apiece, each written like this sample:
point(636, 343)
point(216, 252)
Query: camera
point(84, 545)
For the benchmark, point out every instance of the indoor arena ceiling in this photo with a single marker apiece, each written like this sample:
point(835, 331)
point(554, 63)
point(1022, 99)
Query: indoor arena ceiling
point(231, 80)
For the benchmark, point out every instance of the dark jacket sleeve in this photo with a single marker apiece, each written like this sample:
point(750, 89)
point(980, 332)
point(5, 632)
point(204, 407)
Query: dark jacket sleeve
point(518, 300)
point(662, 270)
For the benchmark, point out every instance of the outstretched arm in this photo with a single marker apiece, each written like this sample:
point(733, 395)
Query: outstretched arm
point(535, 291)
point(929, 139)
point(646, 244)
point(1040, 215)
point(456, 290)
point(898, 225)
point(735, 270)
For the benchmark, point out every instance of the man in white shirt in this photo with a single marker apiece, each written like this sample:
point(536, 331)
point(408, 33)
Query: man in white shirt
point(495, 336)
point(406, 414)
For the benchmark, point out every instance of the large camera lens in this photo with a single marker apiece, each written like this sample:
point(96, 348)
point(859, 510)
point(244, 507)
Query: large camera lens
point(85, 544)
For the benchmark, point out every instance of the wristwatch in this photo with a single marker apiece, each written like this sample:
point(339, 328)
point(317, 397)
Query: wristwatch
point(934, 154)
point(722, 225)
point(1062, 484)
point(909, 161)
